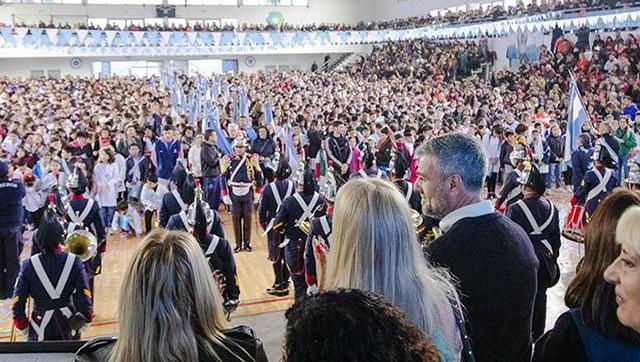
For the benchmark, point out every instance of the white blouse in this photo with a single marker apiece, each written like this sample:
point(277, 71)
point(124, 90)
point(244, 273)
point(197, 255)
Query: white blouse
point(106, 176)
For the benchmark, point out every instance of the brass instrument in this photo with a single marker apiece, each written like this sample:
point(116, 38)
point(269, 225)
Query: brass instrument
point(82, 243)
point(425, 237)
point(305, 225)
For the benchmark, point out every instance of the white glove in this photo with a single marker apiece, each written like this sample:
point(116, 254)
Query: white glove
point(23, 332)
point(312, 289)
point(226, 199)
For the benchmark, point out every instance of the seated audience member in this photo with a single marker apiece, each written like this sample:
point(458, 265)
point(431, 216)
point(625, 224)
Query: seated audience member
point(590, 330)
point(375, 248)
point(489, 254)
point(353, 325)
point(624, 272)
point(170, 309)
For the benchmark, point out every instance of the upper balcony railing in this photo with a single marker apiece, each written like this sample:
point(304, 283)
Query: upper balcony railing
point(71, 42)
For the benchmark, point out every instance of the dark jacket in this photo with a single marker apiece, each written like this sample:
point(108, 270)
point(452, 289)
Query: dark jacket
point(315, 140)
point(556, 145)
point(580, 163)
point(209, 160)
point(11, 211)
point(263, 147)
point(494, 261)
point(237, 340)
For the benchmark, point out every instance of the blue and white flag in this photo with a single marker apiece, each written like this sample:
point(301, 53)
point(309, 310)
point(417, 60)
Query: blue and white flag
point(268, 113)
point(576, 118)
point(243, 102)
point(212, 121)
point(225, 91)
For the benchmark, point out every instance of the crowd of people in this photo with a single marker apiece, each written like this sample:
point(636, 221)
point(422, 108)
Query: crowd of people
point(445, 16)
point(345, 170)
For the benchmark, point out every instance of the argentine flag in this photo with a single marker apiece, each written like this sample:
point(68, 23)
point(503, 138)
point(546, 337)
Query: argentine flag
point(575, 119)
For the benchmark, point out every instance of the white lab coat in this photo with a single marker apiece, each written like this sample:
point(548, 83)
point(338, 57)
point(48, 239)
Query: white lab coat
point(106, 177)
point(152, 200)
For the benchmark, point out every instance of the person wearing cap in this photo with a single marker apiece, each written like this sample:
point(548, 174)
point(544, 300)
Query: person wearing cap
point(272, 196)
point(244, 178)
point(294, 212)
point(581, 160)
point(11, 216)
point(84, 214)
point(61, 310)
point(319, 232)
point(511, 191)
point(599, 180)
point(539, 218)
point(167, 151)
point(204, 223)
point(181, 194)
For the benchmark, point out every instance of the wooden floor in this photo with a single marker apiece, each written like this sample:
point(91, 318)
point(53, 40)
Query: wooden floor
point(254, 276)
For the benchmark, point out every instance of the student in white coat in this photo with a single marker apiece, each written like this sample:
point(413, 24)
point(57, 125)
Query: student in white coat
point(151, 199)
point(106, 183)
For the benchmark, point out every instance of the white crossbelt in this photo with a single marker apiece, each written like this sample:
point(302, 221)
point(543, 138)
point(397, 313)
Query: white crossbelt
point(78, 220)
point(537, 229)
point(307, 211)
point(215, 240)
point(54, 293)
point(276, 196)
point(517, 190)
point(326, 228)
point(409, 193)
point(602, 185)
point(178, 198)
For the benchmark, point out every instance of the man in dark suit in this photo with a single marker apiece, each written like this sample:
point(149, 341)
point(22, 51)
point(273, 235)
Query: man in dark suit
point(489, 254)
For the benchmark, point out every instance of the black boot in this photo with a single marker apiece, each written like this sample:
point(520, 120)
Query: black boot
point(237, 249)
point(274, 290)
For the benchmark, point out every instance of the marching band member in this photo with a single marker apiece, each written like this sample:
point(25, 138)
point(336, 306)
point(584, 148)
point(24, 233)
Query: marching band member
point(83, 214)
point(242, 173)
point(272, 196)
point(11, 218)
point(180, 195)
point(539, 218)
point(295, 211)
point(62, 310)
point(321, 228)
point(398, 169)
point(511, 190)
point(200, 220)
point(599, 180)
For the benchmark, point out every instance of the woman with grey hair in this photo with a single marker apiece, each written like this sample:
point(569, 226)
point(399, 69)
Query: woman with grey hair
point(375, 248)
point(489, 254)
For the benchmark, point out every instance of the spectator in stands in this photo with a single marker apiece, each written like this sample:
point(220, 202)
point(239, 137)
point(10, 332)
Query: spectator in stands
point(371, 216)
point(624, 134)
point(170, 309)
point(499, 300)
point(353, 325)
point(590, 328)
point(624, 272)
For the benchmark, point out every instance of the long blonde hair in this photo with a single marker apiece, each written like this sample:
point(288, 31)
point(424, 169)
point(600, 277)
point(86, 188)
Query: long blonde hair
point(169, 304)
point(375, 248)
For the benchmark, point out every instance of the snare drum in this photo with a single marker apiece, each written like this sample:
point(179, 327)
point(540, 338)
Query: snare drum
point(574, 225)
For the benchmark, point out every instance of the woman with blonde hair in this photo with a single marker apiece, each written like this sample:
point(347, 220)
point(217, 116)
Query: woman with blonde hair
point(624, 272)
point(375, 248)
point(170, 309)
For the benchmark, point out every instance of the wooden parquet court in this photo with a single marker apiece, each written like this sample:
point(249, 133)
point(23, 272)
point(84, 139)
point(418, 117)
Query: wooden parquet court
point(255, 275)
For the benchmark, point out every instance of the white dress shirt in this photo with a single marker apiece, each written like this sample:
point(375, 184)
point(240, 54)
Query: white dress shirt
point(152, 200)
point(474, 210)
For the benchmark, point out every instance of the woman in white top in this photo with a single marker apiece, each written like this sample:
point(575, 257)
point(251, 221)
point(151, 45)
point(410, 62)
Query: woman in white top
point(491, 145)
point(106, 177)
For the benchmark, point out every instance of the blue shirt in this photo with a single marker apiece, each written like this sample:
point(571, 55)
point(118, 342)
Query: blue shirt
point(166, 157)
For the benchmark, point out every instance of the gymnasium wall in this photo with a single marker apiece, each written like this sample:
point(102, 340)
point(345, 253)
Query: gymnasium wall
point(318, 11)
point(22, 67)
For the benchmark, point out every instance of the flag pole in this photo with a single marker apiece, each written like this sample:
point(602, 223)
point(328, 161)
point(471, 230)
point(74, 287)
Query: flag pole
point(586, 111)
